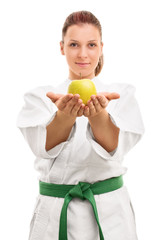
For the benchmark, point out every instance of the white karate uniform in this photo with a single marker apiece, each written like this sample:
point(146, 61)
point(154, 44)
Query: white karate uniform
point(81, 158)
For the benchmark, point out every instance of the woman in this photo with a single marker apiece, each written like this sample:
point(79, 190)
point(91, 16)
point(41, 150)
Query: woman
point(79, 149)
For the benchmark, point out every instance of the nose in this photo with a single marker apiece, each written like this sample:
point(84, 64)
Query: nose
point(82, 52)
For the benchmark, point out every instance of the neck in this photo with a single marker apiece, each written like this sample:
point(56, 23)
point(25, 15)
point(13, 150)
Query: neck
point(80, 76)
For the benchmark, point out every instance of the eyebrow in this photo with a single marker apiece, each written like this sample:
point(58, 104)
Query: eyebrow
point(72, 40)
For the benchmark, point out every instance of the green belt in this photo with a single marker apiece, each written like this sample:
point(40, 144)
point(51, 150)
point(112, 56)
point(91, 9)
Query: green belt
point(84, 191)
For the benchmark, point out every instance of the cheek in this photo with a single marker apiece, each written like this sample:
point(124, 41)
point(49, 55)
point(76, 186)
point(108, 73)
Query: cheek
point(94, 55)
point(70, 55)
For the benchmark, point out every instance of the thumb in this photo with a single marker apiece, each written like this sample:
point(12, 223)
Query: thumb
point(54, 97)
point(111, 96)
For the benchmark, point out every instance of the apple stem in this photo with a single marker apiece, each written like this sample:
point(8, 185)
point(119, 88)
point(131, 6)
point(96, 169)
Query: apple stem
point(80, 75)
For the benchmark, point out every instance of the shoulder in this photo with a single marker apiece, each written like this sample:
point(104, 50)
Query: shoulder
point(39, 91)
point(115, 87)
point(120, 88)
point(42, 90)
point(36, 98)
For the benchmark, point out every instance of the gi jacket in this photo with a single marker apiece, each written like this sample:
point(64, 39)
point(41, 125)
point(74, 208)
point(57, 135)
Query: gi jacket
point(80, 157)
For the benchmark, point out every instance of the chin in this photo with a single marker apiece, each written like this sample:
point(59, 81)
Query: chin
point(84, 74)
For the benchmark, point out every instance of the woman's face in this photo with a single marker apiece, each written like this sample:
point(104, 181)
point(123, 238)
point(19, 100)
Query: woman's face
point(82, 47)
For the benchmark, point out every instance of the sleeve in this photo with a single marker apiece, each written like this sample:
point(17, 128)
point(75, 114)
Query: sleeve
point(37, 112)
point(125, 114)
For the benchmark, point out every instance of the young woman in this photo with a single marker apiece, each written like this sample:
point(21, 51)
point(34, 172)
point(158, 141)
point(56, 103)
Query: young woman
point(79, 149)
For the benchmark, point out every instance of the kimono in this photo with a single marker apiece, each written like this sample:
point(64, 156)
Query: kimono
point(81, 158)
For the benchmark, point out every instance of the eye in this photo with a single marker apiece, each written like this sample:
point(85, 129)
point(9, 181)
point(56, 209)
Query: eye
point(92, 45)
point(73, 45)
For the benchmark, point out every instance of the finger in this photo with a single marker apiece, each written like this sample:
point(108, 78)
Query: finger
point(96, 103)
point(92, 109)
point(102, 100)
point(70, 104)
point(111, 96)
point(86, 111)
point(61, 100)
point(81, 110)
point(76, 107)
point(55, 97)
point(67, 98)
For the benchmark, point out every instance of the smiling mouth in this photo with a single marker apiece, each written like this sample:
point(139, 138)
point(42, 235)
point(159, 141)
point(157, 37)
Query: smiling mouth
point(82, 64)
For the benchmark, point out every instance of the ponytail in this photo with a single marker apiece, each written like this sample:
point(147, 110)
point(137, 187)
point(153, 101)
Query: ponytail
point(100, 65)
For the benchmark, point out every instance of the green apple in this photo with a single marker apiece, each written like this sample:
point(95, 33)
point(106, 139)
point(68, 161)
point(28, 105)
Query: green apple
point(84, 87)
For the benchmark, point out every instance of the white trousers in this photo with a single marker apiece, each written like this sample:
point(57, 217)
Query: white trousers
point(114, 210)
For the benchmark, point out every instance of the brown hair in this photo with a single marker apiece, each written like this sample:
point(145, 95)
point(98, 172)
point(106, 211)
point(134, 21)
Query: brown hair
point(81, 17)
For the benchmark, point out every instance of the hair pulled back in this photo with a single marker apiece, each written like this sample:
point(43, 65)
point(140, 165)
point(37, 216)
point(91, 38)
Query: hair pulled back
point(82, 17)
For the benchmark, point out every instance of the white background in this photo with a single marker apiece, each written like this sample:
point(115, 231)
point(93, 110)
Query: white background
point(30, 56)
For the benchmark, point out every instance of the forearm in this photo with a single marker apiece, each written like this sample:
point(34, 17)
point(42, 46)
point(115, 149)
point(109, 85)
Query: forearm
point(59, 129)
point(104, 131)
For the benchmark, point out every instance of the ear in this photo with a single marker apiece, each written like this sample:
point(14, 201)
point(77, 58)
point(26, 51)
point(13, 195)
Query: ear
point(102, 48)
point(62, 47)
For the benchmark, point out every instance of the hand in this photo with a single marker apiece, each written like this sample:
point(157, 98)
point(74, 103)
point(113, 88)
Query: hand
point(69, 104)
point(99, 102)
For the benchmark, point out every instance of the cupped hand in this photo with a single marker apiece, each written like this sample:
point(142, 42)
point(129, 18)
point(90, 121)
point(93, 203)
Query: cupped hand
point(69, 104)
point(98, 103)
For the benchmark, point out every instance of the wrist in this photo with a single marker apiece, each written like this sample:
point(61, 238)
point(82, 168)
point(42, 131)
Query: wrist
point(65, 117)
point(99, 115)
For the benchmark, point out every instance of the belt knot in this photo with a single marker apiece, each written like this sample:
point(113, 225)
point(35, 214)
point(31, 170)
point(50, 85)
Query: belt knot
point(82, 191)
point(78, 190)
